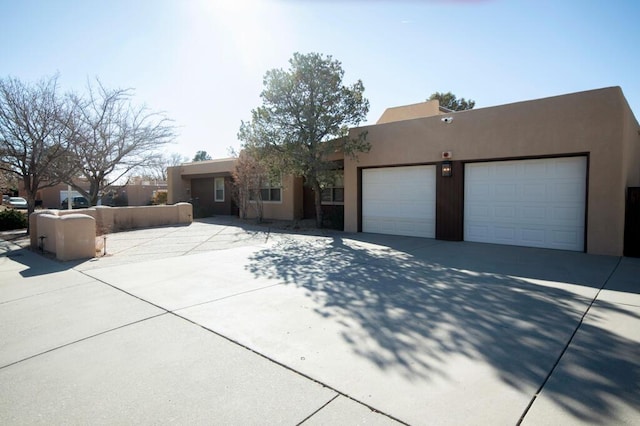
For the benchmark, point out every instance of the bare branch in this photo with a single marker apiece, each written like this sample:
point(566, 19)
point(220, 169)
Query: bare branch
point(113, 136)
point(34, 142)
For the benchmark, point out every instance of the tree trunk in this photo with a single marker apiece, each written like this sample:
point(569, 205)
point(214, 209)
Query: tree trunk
point(93, 192)
point(31, 207)
point(31, 199)
point(317, 191)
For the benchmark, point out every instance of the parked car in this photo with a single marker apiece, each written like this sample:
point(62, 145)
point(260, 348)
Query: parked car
point(17, 202)
point(5, 200)
point(77, 203)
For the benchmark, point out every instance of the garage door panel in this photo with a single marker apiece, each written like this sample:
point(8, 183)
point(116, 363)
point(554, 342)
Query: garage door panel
point(534, 191)
point(567, 237)
point(535, 169)
point(568, 192)
point(566, 215)
point(533, 214)
point(504, 171)
point(504, 212)
point(542, 204)
point(560, 238)
point(399, 200)
point(567, 168)
point(533, 237)
point(395, 226)
point(504, 233)
point(505, 191)
point(385, 225)
point(478, 212)
point(477, 191)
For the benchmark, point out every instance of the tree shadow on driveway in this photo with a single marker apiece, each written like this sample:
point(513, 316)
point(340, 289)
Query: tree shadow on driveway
point(425, 305)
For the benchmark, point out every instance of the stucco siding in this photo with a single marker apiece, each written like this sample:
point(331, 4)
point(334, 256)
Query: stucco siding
point(284, 209)
point(581, 123)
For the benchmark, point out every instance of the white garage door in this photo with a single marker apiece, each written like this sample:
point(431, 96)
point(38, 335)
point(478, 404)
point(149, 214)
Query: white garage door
point(535, 203)
point(399, 201)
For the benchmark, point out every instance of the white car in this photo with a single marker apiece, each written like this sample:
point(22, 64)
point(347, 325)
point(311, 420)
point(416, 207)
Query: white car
point(17, 203)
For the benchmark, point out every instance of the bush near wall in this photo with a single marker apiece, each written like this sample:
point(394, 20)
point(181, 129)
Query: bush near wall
point(159, 198)
point(12, 219)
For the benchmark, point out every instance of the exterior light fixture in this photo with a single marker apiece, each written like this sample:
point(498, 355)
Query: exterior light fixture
point(447, 170)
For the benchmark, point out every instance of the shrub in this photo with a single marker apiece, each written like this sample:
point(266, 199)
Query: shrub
point(159, 198)
point(12, 219)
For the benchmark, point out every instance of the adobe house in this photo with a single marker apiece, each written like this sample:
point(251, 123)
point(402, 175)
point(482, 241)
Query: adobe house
point(208, 185)
point(205, 184)
point(550, 173)
point(138, 192)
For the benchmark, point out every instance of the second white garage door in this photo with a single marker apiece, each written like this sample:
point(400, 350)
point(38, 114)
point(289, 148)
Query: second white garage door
point(399, 201)
point(535, 203)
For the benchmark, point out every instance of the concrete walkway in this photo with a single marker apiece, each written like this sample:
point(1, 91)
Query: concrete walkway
point(221, 323)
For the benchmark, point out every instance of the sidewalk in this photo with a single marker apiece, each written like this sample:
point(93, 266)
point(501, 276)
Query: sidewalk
point(227, 324)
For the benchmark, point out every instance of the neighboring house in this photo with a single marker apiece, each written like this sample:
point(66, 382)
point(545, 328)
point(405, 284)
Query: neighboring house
point(549, 173)
point(138, 192)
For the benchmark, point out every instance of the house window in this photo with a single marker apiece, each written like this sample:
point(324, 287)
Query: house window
point(271, 190)
point(219, 188)
point(334, 194)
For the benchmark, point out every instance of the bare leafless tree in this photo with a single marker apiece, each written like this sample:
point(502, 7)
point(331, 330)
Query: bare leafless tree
point(112, 136)
point(248, 176)
point(8, 181)
point(34, 134)
point(158, 169)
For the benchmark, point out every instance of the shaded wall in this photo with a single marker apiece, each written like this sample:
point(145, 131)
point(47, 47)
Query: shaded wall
point(179, 178)
point(203, 200)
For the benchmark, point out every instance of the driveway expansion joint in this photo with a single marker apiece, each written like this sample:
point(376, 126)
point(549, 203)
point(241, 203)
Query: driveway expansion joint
point(319, 409)
point(288, 368)
point(226, 297)
point(566, 347)
point(82, 340)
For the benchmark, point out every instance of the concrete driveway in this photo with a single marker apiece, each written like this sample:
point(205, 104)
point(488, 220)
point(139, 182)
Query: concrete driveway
point(222, 323)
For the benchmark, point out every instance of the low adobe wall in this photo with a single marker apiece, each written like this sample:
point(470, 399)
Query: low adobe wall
point(114, 219)
point(70, 237)
point(59, 226)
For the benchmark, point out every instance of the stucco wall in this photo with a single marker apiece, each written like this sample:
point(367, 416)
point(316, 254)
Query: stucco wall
point(69, 237)
point(106, 220)
point(285, 209)
point(407, 112)
point(176, 186)
point(631, 141)
point(586, 122)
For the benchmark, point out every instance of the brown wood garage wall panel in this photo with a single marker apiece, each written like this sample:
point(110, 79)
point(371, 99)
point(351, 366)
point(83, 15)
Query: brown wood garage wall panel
point(450, 203)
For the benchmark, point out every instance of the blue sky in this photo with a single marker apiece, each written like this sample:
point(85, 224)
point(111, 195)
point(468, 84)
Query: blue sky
point(202, 61)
